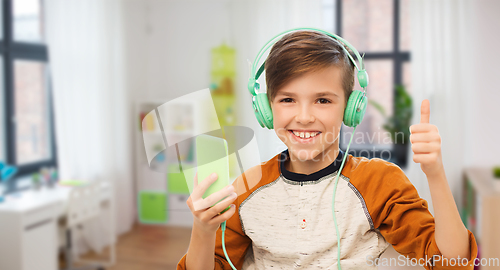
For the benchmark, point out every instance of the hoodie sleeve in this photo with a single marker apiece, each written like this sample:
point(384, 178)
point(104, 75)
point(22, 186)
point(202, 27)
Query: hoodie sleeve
point(236, 242)
point(402, 217)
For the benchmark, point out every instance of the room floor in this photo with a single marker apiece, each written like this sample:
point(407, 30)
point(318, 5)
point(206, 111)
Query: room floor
point(148, 247)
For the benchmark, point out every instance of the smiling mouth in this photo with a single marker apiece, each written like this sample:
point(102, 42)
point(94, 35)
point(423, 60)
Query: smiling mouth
point(303, 135)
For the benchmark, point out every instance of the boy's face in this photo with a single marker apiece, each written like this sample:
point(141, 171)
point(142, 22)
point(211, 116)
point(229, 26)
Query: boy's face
point(312, 103)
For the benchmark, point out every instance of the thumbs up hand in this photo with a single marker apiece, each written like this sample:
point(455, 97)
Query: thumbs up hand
point(426, 143)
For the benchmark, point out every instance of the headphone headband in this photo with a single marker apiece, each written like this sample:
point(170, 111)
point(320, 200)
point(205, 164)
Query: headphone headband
point(362, 75)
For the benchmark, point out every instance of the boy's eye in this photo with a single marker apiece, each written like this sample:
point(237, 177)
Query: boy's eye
point(323, 101)
point(286, 100)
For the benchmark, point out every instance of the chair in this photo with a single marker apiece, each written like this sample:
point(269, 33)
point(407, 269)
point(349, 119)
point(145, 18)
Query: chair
point(83, 206)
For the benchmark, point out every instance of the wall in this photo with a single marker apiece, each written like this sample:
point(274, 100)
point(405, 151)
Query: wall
point(484, 110)
point(165, 61)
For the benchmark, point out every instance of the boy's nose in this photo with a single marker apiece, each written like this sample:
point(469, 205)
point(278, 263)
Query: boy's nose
point(304, 116)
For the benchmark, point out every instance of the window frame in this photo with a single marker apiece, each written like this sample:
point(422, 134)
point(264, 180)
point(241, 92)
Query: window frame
point(398, 58)
point(10, 51)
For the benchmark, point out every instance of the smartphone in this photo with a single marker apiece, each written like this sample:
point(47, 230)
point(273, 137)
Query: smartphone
point(212, 157)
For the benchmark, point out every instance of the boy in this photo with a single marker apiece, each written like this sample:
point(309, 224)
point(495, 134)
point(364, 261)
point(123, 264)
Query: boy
point(284, 221)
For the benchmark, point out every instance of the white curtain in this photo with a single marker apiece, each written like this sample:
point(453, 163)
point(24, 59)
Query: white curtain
point(91, 101)
point(441, 59)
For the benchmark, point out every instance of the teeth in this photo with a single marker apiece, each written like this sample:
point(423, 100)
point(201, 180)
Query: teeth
point(305, 134)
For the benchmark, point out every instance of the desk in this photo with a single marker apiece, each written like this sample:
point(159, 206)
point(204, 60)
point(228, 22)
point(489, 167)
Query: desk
point(28, 227)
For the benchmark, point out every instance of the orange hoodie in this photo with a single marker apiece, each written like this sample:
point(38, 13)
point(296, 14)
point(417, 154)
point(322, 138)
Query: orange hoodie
point(283, 220)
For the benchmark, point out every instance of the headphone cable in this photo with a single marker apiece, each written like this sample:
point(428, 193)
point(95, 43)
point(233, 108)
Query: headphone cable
point(223, 228)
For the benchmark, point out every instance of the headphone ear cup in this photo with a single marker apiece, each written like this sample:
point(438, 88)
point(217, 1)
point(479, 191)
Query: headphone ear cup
point(262, 110)
point(355, 109)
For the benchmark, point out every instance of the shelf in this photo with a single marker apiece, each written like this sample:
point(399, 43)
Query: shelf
point(152, 133)
point(156, 188)
point(483, 181)
point(179, 133)
point(480, 211)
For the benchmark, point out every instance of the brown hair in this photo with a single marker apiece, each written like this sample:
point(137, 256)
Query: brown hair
point(300, 52)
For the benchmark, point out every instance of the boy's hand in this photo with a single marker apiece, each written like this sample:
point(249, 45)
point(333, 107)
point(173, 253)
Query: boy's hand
point(426, 143)
point(207, 218)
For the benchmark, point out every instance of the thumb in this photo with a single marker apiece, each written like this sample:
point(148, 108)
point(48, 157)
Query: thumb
point(425, 111)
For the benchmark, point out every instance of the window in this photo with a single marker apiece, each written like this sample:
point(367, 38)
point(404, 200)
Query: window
point(380, 30)
point(28, 133)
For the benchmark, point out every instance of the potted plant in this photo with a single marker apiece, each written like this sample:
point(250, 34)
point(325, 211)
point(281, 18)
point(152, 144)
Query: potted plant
point(398, 124)
point(496, 177)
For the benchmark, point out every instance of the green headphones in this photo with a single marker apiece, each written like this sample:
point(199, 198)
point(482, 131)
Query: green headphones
point(356, 104)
